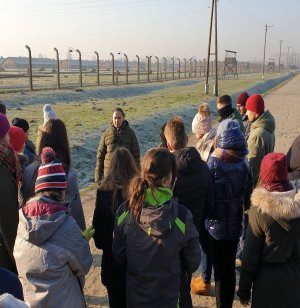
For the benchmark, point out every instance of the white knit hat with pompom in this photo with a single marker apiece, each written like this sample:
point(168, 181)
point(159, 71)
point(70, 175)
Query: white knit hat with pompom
point(49, 113)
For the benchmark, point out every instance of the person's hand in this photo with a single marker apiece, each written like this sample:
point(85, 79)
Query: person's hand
point(244, 302)
point(88, 233)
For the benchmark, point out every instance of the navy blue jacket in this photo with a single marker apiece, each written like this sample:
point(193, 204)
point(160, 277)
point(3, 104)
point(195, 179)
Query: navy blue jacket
point(233, 185)
point(10, 283)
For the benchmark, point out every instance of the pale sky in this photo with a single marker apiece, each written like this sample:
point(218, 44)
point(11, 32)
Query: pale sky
point(147, 27)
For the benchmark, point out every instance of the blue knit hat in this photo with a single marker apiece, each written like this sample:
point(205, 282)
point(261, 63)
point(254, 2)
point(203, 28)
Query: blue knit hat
point(230, 136)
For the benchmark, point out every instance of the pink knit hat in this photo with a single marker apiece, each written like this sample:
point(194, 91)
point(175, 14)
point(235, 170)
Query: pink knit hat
point(201, 124)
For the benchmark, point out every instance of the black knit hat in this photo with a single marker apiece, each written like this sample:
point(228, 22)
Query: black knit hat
point(22, 123)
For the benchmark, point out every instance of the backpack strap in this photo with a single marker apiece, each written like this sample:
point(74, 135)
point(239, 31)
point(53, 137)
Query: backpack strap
point(180, 220)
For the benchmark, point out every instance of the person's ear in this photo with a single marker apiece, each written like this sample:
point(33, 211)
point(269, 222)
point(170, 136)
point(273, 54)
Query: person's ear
point(167, 181)
point(170, 147)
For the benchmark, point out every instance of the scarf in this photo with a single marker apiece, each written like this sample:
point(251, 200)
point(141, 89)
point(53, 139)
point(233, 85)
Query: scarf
point(279, 186)
point(11, 161)
point(230, 156)
point(225, 112)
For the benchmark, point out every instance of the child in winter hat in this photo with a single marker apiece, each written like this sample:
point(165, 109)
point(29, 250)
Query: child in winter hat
point(202, 122)
point(49, 113)
point(49, 236)
point(52, 177)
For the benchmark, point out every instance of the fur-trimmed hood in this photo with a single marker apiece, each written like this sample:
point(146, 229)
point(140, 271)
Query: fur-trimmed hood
point(279, 205)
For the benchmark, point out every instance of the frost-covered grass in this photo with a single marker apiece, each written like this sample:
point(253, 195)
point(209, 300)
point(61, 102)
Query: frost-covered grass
point(147, 107)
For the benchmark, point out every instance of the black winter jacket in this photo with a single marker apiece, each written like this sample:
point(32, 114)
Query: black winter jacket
point(156, 249)
point(193, 186)
point(113, 274)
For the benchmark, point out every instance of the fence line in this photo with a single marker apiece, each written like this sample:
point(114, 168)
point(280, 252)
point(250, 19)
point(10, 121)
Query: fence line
point(23, 73)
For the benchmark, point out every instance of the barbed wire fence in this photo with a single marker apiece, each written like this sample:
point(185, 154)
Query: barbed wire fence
point(33, 73)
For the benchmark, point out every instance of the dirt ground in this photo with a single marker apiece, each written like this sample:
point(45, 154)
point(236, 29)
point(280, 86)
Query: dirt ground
point(284, 104)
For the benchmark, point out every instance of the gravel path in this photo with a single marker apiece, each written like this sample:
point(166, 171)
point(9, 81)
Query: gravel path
point(284, 104)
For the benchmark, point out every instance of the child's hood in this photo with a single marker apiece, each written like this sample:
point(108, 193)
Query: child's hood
point(38, 229)
point(157, 220)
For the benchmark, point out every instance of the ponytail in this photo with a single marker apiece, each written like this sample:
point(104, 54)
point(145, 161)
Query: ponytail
point(137, 190)
point(157, 164)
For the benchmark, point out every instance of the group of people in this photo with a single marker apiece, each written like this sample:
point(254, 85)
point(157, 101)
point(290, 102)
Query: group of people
point(158, 219)
point(44, 250)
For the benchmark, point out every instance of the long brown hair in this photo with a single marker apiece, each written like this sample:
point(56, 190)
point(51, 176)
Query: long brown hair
point(54, 135)
point(157, 164)
point(121, 170)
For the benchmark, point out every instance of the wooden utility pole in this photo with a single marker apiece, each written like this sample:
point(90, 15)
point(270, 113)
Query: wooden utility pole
point(287, 60)
point(279, 57)
point(216, 52)
point(206, 89)
point(30, 68)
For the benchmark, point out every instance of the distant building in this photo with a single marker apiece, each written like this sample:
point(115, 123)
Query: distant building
point(23, 63)
point(17, 63)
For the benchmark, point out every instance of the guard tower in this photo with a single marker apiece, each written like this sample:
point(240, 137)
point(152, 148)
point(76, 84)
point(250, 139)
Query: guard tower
point(230, 64)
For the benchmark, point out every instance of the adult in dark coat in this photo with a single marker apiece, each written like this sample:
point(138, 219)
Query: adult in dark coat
point(193, 189)
point(112, 191)
point(10, 179)
point(119, 134)
point(293, 160)
point(271, 258)
point(233, 184)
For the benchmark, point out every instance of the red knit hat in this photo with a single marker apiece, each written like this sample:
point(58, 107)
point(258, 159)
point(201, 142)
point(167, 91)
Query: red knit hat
point(17, 138)
point(274, 172)
point(242, 98)
point(256, 104)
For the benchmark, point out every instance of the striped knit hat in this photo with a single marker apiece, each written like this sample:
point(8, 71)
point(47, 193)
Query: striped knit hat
point(51, 174)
